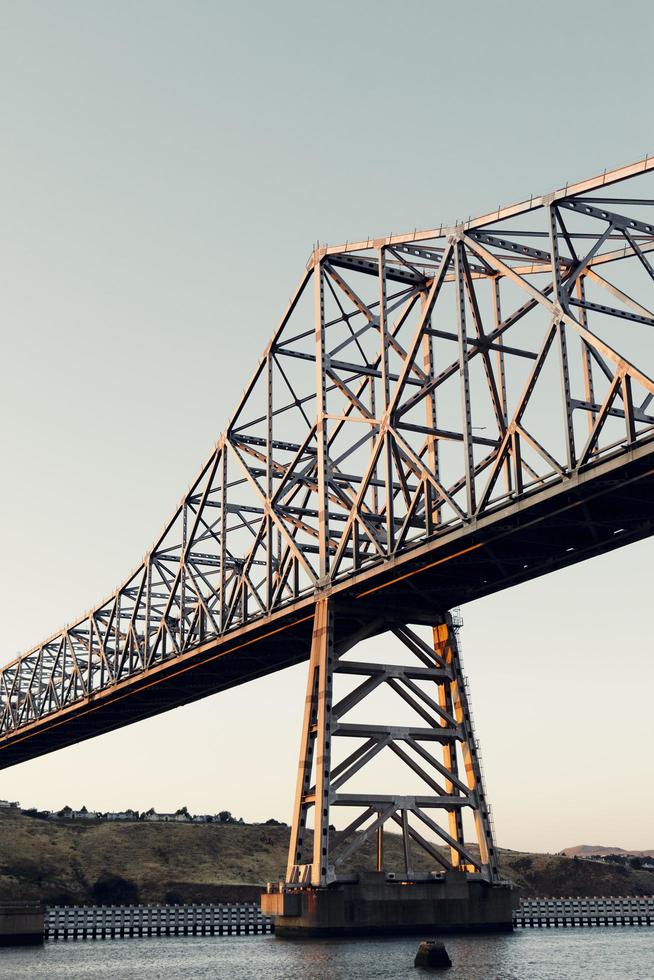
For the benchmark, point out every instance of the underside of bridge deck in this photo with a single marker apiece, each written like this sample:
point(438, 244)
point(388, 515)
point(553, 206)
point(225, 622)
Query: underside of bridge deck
point(551, 529)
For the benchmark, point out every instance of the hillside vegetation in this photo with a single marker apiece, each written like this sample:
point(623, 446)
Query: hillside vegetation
point(62, 861)
point(586, 850)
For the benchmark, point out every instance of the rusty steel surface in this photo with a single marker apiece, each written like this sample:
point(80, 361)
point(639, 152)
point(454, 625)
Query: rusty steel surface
point(438, 416)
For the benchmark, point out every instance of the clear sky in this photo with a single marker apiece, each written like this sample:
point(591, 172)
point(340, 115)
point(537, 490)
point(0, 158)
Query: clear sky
point(165, 170)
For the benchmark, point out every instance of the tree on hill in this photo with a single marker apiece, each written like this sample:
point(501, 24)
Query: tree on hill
point(111, 889)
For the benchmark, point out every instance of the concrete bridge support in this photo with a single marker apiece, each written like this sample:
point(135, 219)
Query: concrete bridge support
point(21, 924)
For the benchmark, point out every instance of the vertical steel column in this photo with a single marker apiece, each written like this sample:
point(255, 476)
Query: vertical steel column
point(501, 371)
point(323, 641)
point(563, 345)
point(182, 578)
point(222, 571)
point(321, 421)
point(628, 403)
point(586, 361)
point(406, 844)
point(433, 446)
point(469, 749)
point(116, 649)
point(269, 479)
point(442, 650)
point(315, 746)
point(148, 611)
point(464, 374)
point(387, 453)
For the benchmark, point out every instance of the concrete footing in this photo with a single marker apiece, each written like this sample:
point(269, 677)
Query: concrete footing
point(373, 904)
point(21, 924)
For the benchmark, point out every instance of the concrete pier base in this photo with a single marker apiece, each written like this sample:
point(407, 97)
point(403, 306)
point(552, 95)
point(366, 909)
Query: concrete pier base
point(373, 904)
point(21, 924)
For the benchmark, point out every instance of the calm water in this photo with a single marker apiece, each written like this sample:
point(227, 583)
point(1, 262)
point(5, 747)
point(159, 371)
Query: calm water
point(539, 954)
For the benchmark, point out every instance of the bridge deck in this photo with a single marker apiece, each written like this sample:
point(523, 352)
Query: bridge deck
point(606, 507)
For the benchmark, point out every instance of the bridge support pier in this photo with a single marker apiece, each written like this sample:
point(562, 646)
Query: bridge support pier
point(21, 924)
point(438, 870)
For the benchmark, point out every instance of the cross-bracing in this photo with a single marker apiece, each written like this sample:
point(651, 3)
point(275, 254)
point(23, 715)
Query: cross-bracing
point(420, 390)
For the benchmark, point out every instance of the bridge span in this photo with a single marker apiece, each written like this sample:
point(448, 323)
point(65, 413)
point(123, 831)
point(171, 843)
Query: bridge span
point(438, 416)
point(594, 513)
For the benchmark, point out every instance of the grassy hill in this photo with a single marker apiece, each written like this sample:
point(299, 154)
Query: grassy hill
point(63, 861)
point(585, 850)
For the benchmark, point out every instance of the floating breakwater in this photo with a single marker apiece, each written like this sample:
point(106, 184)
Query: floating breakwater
point(128, 921)
point(78, 922)
point(579, 912)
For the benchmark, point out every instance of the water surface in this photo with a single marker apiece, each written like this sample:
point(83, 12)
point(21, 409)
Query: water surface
point(612, 953)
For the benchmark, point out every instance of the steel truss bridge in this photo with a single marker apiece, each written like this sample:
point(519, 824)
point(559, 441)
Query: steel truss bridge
point(438, 416)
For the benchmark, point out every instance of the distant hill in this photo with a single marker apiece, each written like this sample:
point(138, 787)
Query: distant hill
point(72, 861)
point(584, 850)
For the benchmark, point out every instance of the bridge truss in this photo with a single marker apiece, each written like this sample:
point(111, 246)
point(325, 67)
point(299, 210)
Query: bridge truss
point(426, 399)
point(443, 754)
point(415, 385)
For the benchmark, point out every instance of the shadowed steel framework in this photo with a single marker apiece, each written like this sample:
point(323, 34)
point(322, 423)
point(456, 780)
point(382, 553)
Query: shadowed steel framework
point(438, 416)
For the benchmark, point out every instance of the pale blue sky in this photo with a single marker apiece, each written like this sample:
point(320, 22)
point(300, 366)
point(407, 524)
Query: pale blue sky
point(165, 169)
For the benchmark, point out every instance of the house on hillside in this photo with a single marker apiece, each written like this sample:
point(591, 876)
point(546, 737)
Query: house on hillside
point(9, 805)
point(180, 816)
point(122, 815)
point(84, 814)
